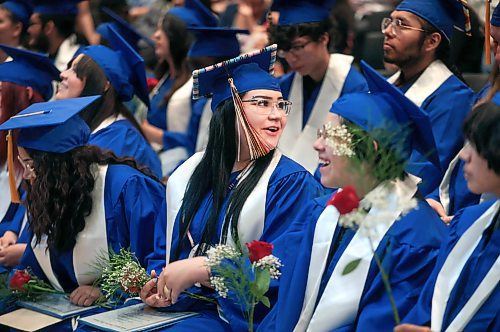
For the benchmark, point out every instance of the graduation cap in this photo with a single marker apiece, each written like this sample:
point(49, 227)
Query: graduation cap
point(302, 11)
point(444, 15)
point(29, 69)
point(56, 7)
point(227, 79)
point(21, 9)
point(495, 18)
point(115, 67)
point(195, 14)
point(52, 126)
point(128, 32)
point(135, 63)
point(387, 107)
point(215, 41)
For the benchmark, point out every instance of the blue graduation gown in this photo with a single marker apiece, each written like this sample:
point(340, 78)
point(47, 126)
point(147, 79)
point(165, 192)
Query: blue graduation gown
point(354, 82)
point(447, 107)
point(132, 202)
point(157, 114)
point(408, 252)
point(459, 194)
point(290, 187)
point(478, 264)
point(124, 139)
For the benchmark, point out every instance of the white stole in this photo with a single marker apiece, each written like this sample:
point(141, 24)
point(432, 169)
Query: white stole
point(296, 142)
point(431, 79)
point(253, 213)
point(451, 270)
point(444, 186)
point(206, 117)
point(343, 292)
point(91, 242)
point(66, 52)
point(108, 121)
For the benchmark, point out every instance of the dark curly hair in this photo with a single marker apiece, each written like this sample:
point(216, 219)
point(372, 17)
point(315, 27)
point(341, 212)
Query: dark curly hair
point(482, 129)
point(59, 199)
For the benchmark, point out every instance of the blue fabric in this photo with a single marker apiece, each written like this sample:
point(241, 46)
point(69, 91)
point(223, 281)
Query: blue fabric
point(13, 218)
point(290, 186)
point(132, 205)
point(442, 14)
point(56, 7)
point(215, 42)
point(124, 139)
point(195, 14)
point(447, 107)
point(157, 114)
point(478, 264)
point(460, 195)
point(354, 82)
point(29, 69)
point(302, 11)
point(495, 18)
point(408, 253)
point(21, 9)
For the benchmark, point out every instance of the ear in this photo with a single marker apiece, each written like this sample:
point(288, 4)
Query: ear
point(29, 91)
point(18, 29)
point(432, 42)
point(106, 86)
point(324, 39)
point(49, 28)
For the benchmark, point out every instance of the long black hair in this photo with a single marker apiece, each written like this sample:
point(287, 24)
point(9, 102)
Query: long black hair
point(60, 198)
point(212, 176)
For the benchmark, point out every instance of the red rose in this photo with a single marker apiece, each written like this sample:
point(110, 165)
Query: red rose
point(151, 82)
point(19, 279)
point(345, 200)
point(258, 250)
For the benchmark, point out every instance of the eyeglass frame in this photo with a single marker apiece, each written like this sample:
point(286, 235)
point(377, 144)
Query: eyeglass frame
point(274, 105)
point(395, 26)
point(26, 166)
point(296, 50)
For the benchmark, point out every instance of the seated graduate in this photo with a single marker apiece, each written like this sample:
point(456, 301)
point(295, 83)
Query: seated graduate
point(24, 80)
point(238, 190)
point(365, 145)
point(462, 293)
point(117, 76)
point(81, 200)
point(452, 194)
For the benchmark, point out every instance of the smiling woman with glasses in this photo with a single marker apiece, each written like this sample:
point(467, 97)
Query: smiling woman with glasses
point(266, 106)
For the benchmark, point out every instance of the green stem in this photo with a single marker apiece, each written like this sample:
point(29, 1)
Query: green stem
point(385, 279)
point(200, 297)
point(250, 317)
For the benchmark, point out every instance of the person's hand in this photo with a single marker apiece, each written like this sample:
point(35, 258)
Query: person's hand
point(181, 275)
point(85, 295)
point(8, 238)
point(411, 328)
point(152, 133)
point(438, 207)
point(11, 256)
point(149, 293)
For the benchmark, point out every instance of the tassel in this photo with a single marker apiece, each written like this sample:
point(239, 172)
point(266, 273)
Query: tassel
point(487, 46)
point(468, 27)
point(14, 195)
point(257, 145)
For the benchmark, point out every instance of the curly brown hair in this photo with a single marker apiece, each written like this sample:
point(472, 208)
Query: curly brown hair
point(59, 199)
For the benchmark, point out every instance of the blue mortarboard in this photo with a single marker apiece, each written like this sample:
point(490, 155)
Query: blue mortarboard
point(302, 11)
point(444, 15)
point(56, 7)
point(135, 63)
point(128, 32)
point(216, 41)
point(52, 126)
point(29, 69)
point(249, 71)
point(21, 9)
point(114, 66)
point(195, 14)
point(495, 18)
point(387, 107)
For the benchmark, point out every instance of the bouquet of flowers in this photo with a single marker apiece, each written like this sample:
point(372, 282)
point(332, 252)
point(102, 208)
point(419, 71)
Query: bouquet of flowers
point(123, 276)
point(24, 285)
point(245, 275)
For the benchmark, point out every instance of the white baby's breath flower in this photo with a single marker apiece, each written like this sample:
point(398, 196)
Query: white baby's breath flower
point(272, 263)
point(220, 287)
point(220, 252)
point(339, 139)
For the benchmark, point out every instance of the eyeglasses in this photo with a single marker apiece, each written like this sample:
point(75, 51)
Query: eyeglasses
point(27, 166)
point(396, 25)
point(321, 132)
point(296, 50)
point(265, 106)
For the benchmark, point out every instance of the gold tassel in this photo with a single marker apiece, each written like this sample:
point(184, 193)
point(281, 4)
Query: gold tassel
point(257, 145)
point(14, 195)
point(487, 46)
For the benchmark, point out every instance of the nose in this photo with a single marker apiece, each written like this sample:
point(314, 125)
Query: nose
point(464, 154)
point(64, 74)
point(319, 144)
